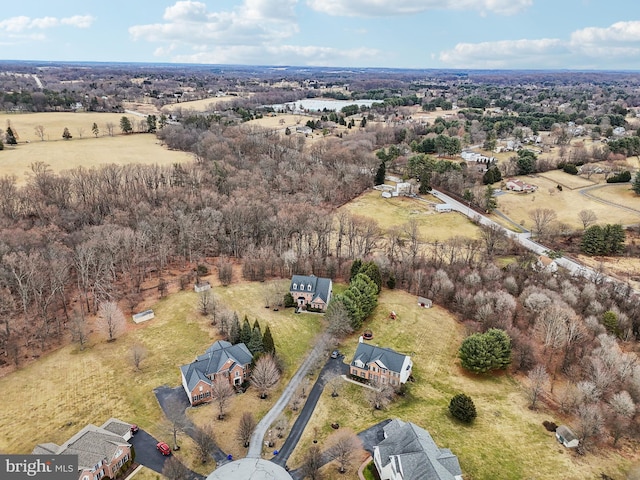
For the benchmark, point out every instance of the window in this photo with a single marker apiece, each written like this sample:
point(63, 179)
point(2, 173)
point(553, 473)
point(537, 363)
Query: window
point(295, 286)
point(200, 389)
point(309, 287)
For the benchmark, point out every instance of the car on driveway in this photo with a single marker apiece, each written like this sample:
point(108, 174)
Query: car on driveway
point(163, 448)
point(335, 354)
point(134, 429)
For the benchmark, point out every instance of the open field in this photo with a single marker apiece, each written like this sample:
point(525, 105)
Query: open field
point(88, 152)
point(566, 204)
point(204, 105)
point(567, 181)
point(395, 212)
point(620, 193)
point(507, 441)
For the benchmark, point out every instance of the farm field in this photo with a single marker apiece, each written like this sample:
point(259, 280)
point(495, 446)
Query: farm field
point(507, 440)
point(571, 182)
point(395, 212)
point(617, 193)
point(204, 105)
point(566, 204)
point(88, 152)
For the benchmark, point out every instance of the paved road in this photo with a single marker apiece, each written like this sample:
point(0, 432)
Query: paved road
point(334, 366)
point(148, 455)
point(524, 239)
point(255, 445)
point(164, 395)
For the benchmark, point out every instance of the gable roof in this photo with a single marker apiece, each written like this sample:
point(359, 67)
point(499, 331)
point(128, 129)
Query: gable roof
point(414, 452)
point(92, 445)
point(566, 433)
point(385, 357)
point(213, 361)
point(320, 287)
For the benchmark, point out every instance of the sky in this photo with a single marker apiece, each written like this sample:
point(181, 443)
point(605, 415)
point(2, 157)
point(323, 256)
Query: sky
point(460, 34)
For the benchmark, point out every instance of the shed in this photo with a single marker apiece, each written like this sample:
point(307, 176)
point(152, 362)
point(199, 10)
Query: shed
point(443, 207)
point(424, 302)
point(566, 437)
point(202, 286)
point(143, 316)
point(386, 194)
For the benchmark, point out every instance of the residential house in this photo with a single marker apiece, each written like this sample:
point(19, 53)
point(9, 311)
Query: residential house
point(409, 453)
point(425, 302)
point(101, 452)
point(566, 437)
point(546, 264)
point(380, 365)
point(311, 290)
point(516, 185)
point(221, 362)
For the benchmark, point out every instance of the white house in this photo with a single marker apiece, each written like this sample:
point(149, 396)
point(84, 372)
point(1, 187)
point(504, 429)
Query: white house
point(566, 437)
point(443, 207)
point(546, 264)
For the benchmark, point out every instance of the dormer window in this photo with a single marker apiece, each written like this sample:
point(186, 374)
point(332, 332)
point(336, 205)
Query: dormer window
point(309, 287)
point(295, 286)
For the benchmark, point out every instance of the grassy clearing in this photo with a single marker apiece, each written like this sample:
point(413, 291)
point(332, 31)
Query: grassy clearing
point(507, 441)
point(147, 474)
point(566, 204)
point(204, 105)
point(567, 180)
point(88, 152)
point(395, 212)
point(618, 193)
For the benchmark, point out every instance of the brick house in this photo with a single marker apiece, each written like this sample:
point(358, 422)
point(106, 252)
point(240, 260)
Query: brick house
point(409, 453)
point(101, 452)
point(221, 362)
point(311, 290)
point(381, 365)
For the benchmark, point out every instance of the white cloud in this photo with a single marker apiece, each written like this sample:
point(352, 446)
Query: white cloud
point(608, 47)
point(373, 8)
point(189, 23)
point(22, 23)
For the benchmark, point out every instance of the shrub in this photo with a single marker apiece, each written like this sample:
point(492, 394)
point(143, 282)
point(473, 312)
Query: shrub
point(570, 168)
point(289, 301)
point(621, 177)
point(202, 270)
point(550, 426)
point(462, 407)
point(483, 352)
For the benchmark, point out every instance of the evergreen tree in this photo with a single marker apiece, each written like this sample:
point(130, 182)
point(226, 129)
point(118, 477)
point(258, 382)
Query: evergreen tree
point(355, 268)
point(492, 176)
point(255, 344)
point(1, 144)
point(462, 407)
point(635, 186)
point(267, 342)
point(490, 202)
point(125, 125)
point(152, 123)
point(95, 130)
point(526, 162)
point(592, 240)
point(245, 331)
point(614, 237)
point(371, 270)
point(381, 173)
point(257, 325)
point(483, 352)
point(234, 330)
point(10, 137)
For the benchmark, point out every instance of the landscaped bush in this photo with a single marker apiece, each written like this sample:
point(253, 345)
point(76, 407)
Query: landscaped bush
point(289, 301)
point(570, 168)
point(462, 407)
point(550, 426)
point(483, 352)
point(202, 270)
point(621, 177)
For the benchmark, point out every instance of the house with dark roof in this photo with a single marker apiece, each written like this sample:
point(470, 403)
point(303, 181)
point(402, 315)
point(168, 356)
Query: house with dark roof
point(380, 365)
point(222, 362)
point(409, 453)
point(312, 291)
point(101, 452)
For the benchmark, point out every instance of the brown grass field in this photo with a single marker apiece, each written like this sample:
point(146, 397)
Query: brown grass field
point(88, 152)
point(566, 204)
point(571, 182)
point(507, 441)
point(395, 212)
point(204, 105)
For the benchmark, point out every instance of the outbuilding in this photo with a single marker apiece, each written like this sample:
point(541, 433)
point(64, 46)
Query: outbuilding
point(424, 302)
point(566, 437)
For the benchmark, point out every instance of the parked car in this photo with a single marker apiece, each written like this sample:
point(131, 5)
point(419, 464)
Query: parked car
point(134, 429)
point(335, 354)
point(163, 448)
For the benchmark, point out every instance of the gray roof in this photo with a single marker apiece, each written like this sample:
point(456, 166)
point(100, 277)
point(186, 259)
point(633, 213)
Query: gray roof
point(412, 447)
point(92, 445)
point(367, 354)
point(320, 287)
point(213, 360)
point(116, 426)
point(566, 433)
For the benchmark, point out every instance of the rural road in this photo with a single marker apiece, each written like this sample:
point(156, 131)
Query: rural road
point(524, 239)
point(587, 193)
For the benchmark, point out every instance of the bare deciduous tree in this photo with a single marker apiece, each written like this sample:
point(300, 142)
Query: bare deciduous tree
point(621, 411)
point(111, 320)
point(590, 422)
point(138, 352)
point(225, 272)
point(40, 132)
point(245, 429)
point(281, 424)
point(203, 438)
point(265, 375)
point(222, 393)
point(311, 464)
point(343, 447)
point(110, 128)
point(542, 218)
point(174, 469)
point(204, 302)
point(587, 217)
point(538, 380)
point(380, 395)
point(335, 384)
point(337, 316)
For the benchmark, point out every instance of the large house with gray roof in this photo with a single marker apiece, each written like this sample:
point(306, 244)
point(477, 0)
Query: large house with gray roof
point(312, 291)
point(409, 453)
point(380, 365)
point(101, 452)
point(222, 362)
